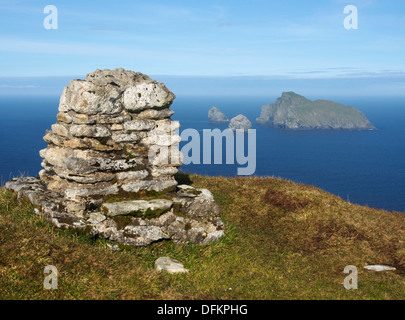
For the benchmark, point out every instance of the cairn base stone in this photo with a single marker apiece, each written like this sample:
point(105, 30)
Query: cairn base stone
point(110, 163)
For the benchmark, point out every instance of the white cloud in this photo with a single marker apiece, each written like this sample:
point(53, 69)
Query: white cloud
point(8, 86)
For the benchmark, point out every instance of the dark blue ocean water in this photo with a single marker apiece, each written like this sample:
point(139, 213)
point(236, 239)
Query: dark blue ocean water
point(365, 167)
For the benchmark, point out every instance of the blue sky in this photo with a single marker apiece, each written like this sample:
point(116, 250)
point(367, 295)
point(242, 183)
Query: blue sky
point(289, 39)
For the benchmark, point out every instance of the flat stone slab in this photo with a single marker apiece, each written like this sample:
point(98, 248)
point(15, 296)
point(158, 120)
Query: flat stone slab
point(213, 236)
point(137, 207)
point(150, 233)
point(96, 217)
point(18, 184)
point(379, 268)
point(169, 265)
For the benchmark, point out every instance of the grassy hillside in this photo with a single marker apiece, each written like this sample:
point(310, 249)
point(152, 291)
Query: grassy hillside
point(283, 241)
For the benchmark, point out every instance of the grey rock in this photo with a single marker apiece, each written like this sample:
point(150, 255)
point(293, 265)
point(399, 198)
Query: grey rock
point(164, 220)
point(96, 217)
point(89, 131)
point(53, 138)
point(132, 175)
point(216, 116)
point(64, 117)
point(85, 97)
point(147, 95)
point(86, 162)
point(156, 114)
point(126, 137)
point(213, 236)
point(150, 185)
point(85, 179)
point(18, 184)
point(148, 233)
point(195, 235)
point(78, 118)
point(379, 268)
point(136, 207)
point(119, 77)
point(240, 122)
point(91, 190)
point(79, 165)
point(169, 265)
point(139, 125)
point(60, 130)
point(119, 165)
point(113, 119)
point(113, 247)
point(202, 206)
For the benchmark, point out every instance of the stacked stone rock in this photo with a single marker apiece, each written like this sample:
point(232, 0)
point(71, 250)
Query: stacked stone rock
point(106, 126)
point(113, 149)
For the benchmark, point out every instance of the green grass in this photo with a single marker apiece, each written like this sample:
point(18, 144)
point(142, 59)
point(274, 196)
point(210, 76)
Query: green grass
point(283, 241)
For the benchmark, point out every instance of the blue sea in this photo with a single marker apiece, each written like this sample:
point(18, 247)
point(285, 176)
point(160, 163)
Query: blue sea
point(364, 167)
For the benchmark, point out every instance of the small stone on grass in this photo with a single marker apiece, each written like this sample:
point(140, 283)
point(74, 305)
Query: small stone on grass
point(379, 268)
point(169, 265)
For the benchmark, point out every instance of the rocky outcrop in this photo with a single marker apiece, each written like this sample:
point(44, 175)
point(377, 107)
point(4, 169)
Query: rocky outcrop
point(240, 122)
point(216, 116)
point(110, 162)
point(295, 112)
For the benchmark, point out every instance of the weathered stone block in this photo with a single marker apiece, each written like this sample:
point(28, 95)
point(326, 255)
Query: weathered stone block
point(147, 96)
point(152, 208)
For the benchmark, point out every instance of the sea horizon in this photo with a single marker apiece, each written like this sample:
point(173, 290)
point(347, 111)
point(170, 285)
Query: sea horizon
point(362, 167)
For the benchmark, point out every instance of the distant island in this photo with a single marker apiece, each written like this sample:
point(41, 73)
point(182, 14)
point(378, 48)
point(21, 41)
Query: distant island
point(240, 122)
point(216, 116)
point(295, 112)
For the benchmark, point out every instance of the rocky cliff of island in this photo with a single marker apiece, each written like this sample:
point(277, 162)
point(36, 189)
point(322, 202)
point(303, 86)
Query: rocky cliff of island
point(295, 112)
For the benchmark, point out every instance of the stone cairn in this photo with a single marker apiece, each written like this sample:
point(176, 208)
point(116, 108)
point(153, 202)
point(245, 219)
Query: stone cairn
point(110, 163)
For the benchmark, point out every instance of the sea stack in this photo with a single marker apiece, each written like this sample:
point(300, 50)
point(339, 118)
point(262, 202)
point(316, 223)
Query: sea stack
point(240, 122)
point(110, 163)
point(216, 116)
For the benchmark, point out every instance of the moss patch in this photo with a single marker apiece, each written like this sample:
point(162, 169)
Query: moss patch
point(141, 195)
point(192, 191)
point(122, 221)
point(148, 214)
